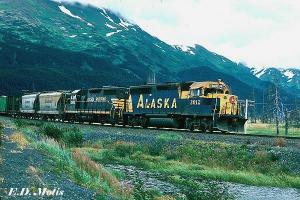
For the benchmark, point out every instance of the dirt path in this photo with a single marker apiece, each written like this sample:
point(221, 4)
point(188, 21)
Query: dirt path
point(28, 168)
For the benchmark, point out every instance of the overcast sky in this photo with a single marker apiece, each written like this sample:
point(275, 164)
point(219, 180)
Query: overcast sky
point(257, 32)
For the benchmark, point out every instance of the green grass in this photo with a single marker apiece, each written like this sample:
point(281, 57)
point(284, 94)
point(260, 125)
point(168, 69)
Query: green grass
point(210, 161)
point(78, 166)
point(65, 163)
point(270, 129)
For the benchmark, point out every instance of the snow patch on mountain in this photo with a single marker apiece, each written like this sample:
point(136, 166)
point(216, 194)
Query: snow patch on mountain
point(159, 47)
point(68, 12)
point(110, 26)
point(112, 33)
point(289, 74)
point(124, 24)
point(104, 13)
point(184, 48)
point(259, 72)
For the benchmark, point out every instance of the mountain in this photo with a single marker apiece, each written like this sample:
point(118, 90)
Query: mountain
point(48, 45)
point(288, 79)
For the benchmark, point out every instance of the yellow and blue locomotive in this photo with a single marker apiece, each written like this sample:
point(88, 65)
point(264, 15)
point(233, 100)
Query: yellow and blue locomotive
point(190, 105)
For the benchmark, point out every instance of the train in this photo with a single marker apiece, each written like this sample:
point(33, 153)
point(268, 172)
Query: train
point(205, 106)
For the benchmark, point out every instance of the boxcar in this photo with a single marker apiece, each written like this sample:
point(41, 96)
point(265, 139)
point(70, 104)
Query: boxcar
point(13, 105)
point(3, 104)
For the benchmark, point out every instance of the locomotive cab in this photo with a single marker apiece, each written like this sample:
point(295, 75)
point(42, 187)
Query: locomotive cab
point(208, 89)
point(218, 91)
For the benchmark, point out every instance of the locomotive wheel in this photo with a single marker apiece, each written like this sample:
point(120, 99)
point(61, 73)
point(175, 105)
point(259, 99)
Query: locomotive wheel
point(144, 122)
point(192, 127)
point(203, 129)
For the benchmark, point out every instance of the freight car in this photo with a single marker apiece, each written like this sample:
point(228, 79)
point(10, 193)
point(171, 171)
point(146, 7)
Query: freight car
point(202, 105)
point(10, 105)
point(29, 105)
point(3, 104)
point(51, 105)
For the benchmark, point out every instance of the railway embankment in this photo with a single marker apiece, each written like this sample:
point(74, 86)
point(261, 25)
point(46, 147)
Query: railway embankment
point(154, 164)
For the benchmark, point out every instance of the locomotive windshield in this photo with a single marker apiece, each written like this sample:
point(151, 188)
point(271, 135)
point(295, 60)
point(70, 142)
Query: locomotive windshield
point(213, 91)
point(195, 92)
point(204, 92)
point(208, 87)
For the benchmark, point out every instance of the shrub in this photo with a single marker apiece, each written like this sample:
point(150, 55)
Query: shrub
point(124, 149)
point(280, 142)
point(171, 153)
point(195, 190)
point(52, 131)
point(20, 123)
point(169, 137)
point(188, 152)
point(72, 137)
point(142, 193)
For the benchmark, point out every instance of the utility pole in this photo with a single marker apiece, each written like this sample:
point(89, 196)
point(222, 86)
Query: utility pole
point(276, 102)
point(246, 109)
point(286, 122)
point(263, 108)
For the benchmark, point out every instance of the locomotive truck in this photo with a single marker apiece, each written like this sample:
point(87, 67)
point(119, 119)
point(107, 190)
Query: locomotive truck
point(206, 106)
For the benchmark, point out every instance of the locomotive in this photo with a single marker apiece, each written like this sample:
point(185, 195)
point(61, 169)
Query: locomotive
point(206, 106)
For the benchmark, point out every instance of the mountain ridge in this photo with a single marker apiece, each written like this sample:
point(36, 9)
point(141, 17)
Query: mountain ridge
point(51, 46)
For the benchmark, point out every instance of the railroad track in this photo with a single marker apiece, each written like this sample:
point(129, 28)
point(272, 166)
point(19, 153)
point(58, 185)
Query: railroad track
point(174, 129)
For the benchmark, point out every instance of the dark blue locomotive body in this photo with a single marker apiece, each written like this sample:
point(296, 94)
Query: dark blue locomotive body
point(176, 105)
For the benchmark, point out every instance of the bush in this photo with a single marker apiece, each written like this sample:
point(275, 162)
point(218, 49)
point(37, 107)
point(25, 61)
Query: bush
point(20, 123)
point(52, 131)
point(279, 142)
point(171, 153)
point(70, 137)
point(124, 149)
point(197, 191)
point(142, 193)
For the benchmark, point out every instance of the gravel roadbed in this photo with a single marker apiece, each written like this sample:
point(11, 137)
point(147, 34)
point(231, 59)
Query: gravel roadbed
point(15, 173)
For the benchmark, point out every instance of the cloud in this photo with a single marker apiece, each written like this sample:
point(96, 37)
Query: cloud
point(260, 33)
